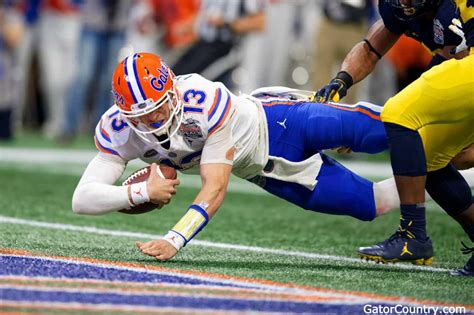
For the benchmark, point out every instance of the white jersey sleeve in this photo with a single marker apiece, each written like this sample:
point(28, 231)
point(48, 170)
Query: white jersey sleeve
point(96, 193)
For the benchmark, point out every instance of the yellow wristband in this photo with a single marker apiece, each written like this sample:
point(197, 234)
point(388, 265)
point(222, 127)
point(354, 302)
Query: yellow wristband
point(191, 223)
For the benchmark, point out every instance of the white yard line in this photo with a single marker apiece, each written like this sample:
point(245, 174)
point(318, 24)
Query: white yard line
point(281, 252)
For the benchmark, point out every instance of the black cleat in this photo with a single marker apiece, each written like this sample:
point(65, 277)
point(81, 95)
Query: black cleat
point(399, 248)
point(468, 269)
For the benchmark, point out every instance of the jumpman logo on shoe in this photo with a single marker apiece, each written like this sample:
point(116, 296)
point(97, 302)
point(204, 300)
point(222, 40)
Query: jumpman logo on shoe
point(138, 192)
point(405, 250)
point(282, 123)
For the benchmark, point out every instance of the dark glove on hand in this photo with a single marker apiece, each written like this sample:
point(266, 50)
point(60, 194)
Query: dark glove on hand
point(335, 90)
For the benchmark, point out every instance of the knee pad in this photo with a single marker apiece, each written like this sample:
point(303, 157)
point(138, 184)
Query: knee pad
point(449, 189)
point(406, 151)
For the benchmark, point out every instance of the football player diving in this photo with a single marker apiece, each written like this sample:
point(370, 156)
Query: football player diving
point(427, 124)
point(272, 138)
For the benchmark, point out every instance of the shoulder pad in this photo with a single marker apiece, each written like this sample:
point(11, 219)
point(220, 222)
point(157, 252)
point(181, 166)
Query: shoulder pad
point(111, 132)
point(393, 24)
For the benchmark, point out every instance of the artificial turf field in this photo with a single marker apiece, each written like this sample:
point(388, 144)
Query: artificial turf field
point(278, 242)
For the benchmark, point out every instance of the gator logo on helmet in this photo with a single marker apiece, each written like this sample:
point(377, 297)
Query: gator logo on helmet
point(159, 83)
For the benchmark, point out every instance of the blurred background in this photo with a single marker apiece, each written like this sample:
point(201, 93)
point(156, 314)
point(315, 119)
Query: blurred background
point(57, 56)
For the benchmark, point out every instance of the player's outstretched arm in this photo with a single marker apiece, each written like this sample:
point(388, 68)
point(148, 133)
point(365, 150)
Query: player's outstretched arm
point(215, 178)
point(359, 63)
point(96, 193)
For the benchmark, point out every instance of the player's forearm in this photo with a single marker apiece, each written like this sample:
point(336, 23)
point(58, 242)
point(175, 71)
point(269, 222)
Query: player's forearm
point(96, 193)
point(363, 57)
point(215, 178)
point(98, 199)
point(211, 198)
point(196, 217)
point(360, 62)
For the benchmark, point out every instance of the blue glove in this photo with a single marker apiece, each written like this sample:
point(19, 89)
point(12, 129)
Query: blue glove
point(335, 90)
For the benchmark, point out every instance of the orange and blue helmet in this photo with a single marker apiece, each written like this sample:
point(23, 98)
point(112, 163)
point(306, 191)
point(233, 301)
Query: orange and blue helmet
point(142, 83)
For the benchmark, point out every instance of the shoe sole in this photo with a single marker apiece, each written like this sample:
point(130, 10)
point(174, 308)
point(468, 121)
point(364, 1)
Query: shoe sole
point(461, 273)
point(379, 259)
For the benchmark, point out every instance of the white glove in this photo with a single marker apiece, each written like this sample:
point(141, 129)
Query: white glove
point(456, 28)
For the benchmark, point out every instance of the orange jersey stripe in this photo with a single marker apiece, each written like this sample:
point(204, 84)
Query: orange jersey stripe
point(216, 99)
point(222, 119)
point(288, 103)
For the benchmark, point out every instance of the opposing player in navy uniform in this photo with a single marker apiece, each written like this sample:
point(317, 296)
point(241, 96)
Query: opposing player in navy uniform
point(430, 120)
point(431, 25)
point(442, 98)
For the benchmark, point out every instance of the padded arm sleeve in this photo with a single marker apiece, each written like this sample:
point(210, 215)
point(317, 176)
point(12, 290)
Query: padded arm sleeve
point(96, 193)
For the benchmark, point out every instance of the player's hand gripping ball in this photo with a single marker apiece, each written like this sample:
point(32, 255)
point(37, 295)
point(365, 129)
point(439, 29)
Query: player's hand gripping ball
point(142, 175)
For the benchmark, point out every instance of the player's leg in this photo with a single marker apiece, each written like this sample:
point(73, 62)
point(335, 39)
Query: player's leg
point(338, 191)
point(468, 269)
point(440, 136)
point(318, 127)
point(386, 194)
point(445, 143)
point(441, 95)
point(451, 191)
point(445, 183)
point(465, 159)
point(333, 125)
point(410, 242)
point(355, 126)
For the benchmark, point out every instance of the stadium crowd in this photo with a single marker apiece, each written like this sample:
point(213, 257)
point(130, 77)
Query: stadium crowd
point(57, 56)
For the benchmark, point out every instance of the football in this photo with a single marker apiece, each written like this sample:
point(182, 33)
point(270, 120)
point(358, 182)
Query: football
point(142, 175)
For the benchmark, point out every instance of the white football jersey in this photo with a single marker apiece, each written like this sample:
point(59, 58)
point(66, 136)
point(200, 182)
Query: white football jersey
point(214, 122)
